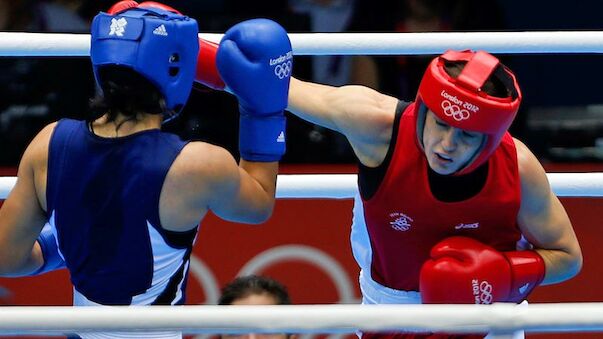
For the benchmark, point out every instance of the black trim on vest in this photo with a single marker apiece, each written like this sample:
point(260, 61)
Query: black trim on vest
point(370, 178)
point(178, 239)
point(453, 188)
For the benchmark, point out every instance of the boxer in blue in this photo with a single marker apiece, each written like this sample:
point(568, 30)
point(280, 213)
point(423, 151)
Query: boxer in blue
point(122, 199)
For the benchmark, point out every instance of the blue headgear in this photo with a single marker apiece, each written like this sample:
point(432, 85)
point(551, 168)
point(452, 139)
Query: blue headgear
point(159, 44)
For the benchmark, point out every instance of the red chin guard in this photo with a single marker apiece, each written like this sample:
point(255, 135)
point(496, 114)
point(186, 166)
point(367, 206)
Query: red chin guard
point(461, 103)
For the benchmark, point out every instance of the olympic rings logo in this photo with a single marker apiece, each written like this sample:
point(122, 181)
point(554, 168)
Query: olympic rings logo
point(482, 292)
point(454, 111)
point(283, 70)
point(485, 295)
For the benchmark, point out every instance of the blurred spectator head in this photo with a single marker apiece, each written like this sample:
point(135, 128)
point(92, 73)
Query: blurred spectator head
point(255, 290)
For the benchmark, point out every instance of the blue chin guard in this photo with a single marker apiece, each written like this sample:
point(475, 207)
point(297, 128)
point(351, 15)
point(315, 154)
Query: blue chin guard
point(159, 44)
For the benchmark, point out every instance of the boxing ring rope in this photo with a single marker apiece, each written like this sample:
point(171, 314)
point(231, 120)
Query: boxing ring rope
point(343, 186)
point(500, 319)
point(16, 44)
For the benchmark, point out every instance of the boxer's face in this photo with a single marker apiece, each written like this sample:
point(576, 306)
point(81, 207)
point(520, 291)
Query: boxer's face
point(448, 149)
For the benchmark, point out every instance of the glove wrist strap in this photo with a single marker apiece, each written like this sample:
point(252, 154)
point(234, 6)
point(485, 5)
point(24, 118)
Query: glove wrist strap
point(261, 138)
point(528, 271)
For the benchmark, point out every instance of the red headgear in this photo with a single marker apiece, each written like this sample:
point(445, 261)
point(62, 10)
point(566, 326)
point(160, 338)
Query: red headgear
point(461, 103)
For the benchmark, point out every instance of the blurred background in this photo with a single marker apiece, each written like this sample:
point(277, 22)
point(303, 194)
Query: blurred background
point(561, 117)
point(306, 243)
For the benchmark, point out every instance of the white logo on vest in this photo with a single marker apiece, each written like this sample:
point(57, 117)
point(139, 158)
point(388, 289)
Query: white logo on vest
point(402, 222)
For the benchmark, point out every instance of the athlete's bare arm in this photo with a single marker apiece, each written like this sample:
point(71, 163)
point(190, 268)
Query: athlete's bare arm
point(206, 177)
point(544, 222)
point(23, 215)
point(363, 115)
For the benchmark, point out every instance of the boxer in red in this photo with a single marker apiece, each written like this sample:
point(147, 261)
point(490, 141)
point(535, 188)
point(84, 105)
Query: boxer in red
point(452, 208)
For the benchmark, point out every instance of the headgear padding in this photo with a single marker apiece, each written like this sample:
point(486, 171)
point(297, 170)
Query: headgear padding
point(159, 44)
point(462, 103)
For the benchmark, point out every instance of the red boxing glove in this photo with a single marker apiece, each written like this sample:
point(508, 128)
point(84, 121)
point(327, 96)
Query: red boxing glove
point(127, 4)
point(154, 4)
point(464, 271)
point(207, 72)
point(122, 6)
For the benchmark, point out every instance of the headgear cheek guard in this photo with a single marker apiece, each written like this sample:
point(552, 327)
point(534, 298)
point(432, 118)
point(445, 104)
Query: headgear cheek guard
point(461, 102)
point(159, 44)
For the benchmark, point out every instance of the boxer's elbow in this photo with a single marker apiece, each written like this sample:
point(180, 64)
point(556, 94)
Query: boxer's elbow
point(261, 214)
point(562, 265)
point(572, 261)
point(574, 264)
point(15, 263)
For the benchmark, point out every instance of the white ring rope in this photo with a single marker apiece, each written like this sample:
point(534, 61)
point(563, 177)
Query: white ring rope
point(6, 185)
point(60, 44)
point(498, 318)
point(343, 186)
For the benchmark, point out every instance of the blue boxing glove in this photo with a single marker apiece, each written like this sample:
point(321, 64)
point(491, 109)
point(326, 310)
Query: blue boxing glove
point(50, 251)
point(255, 59)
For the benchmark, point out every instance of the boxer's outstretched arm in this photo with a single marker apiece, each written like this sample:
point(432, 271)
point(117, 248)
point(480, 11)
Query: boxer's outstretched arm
point(363, 115)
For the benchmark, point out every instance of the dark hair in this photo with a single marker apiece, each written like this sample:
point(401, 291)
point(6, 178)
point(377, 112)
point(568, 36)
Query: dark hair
point(499, 84)
point(125, 92)
point(245, 286)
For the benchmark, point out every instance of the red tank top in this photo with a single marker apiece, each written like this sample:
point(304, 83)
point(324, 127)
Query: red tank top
point(404, 220)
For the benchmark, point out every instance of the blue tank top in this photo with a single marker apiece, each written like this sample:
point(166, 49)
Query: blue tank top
point(103, 205)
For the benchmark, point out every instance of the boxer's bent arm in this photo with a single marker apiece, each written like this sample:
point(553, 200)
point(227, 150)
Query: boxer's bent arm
point(245, 193)
point(258, 181)
point(22, 216)
point(363, 115)
point(207, 177)
point(544, 221)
